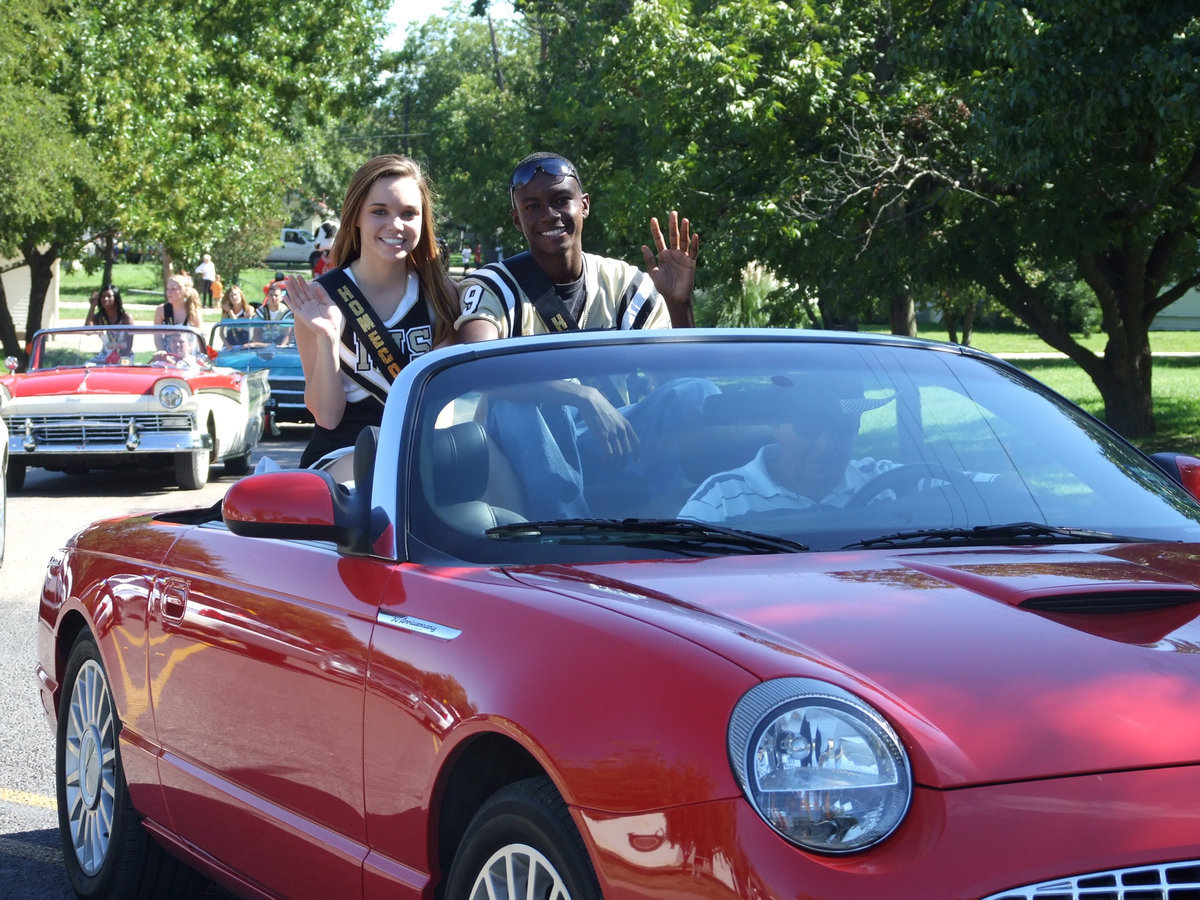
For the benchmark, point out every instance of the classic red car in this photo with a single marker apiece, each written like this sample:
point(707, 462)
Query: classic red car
point(141, 396)
point(686, 614)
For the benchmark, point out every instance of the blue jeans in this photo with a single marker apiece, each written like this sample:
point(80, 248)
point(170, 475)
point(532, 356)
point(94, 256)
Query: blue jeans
point(568, 474)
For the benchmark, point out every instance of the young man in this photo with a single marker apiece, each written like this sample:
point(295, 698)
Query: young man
point(555, 286)
point(572, 289)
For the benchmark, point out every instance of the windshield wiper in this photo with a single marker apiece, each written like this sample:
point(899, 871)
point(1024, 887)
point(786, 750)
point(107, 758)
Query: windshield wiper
point(658, 533)
point(1013, 532)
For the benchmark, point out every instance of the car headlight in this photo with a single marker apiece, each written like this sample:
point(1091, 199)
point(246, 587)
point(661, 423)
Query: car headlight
point(821, 766)
point(170, 395)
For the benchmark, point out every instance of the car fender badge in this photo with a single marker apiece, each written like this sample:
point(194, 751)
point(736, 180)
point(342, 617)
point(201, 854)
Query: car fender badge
point(420, 626)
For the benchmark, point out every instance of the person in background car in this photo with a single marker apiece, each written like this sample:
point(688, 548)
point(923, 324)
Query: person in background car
point(106, 308)
point(234, 306)
point(182, 306)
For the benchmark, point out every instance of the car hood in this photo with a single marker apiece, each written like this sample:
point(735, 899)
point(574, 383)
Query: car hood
point(996, 665)
point(127, 380)
point(107, 380)
point(251, 360)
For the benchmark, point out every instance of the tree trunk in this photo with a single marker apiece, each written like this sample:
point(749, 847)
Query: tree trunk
point(1123, 373)
point(1124, 377)
point(110, 252)
point(968, 324)
point(903, 314)
point(164, 257)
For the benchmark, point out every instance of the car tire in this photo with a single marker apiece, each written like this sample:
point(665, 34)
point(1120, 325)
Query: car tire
point(523, 830)
point(14, 478)
point(238, 465)
point(191, 469)
point(106, 850)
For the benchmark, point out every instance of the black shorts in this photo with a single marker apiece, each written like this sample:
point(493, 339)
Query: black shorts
point(357, 416)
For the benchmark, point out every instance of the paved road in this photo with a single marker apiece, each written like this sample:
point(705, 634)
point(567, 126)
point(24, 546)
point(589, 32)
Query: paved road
point(50, 508)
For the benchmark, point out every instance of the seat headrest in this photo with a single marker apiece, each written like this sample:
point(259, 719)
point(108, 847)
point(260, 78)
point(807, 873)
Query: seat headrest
point(460, 463)
point(365, 448)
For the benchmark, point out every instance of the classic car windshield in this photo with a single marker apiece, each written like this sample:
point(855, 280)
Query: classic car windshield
point(233, 336)
point(823, 444)
point(137, 345)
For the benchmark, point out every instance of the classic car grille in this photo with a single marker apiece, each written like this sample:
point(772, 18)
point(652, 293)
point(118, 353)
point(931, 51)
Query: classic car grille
point(1171, 881)
point(287, 392)
point(106, 429)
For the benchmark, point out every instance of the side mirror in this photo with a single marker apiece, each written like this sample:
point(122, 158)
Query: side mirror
point(10, 363)
point(308, 504)
point(297, 504)
point(1184, 469)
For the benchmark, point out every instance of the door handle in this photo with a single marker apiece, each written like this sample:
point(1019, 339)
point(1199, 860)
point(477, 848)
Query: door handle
point(172, 599)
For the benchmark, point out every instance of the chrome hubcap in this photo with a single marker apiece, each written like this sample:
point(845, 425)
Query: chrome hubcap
point(90, 767)
point(519, 872)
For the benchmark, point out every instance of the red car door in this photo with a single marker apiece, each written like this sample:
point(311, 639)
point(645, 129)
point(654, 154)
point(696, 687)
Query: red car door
point(257, 662)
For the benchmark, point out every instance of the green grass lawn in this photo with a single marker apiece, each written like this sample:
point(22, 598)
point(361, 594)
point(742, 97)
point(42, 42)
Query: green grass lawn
point(141, 289)
point(1176, 381)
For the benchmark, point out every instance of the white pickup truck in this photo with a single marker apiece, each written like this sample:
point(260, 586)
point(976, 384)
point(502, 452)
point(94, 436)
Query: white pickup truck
point(296, 246)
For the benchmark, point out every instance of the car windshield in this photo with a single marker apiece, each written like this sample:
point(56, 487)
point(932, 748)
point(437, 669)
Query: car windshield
point(235, 336)
point(114, 346)
point(821, 444)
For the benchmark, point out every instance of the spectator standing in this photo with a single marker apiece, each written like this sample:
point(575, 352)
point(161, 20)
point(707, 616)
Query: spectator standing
point(385, 257)
point(322, 264)
point(217, 290)
point(207, 272)
point(465, 256)
point(478, 255)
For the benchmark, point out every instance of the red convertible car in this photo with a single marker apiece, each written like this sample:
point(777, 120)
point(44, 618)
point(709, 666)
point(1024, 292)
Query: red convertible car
point(133, 396)
point(690, 614)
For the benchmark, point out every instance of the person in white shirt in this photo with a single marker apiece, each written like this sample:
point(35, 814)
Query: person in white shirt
point(207, 273)
point(810, 463)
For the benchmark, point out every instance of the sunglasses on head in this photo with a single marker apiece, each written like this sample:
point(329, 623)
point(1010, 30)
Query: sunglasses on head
point(549, 165)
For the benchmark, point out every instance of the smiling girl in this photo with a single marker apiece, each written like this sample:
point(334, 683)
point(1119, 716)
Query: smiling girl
point(387, 250)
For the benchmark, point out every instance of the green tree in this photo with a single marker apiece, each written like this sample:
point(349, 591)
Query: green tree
point(1025, 149)
point(196, 116)
point(35, 139)
point(448, 105)
point(884, 152)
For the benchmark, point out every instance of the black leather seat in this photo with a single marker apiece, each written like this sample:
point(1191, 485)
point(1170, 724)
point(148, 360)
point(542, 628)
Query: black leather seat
point(460, 474)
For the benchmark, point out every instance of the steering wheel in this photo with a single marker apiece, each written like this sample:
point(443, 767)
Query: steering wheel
point(907, 478)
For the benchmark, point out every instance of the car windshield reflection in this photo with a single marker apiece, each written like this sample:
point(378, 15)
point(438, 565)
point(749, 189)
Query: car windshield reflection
point(822, 444)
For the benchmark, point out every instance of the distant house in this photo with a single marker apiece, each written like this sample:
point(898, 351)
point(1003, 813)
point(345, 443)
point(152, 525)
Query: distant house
point(1182, 315)
point(16, 291)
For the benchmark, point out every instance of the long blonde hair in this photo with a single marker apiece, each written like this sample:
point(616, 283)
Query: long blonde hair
point(191, 301)
point(227, 310)
point(347, 245)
